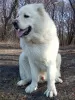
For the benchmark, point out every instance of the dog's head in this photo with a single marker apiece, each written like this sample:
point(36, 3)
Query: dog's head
point(29, 19)
point(34, 24)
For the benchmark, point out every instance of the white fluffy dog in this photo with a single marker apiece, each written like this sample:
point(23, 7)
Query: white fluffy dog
point(39, 41)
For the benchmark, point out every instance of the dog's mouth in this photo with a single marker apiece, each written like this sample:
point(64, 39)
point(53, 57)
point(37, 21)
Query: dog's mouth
point(23, 32)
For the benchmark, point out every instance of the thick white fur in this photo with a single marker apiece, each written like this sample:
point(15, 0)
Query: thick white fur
point(40, 49)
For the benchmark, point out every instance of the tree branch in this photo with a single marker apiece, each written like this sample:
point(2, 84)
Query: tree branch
point(72, 6)
point(13, 6)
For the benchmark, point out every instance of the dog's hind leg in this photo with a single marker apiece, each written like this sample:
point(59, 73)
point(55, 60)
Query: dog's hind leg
point(58, 65)
point(24, 70)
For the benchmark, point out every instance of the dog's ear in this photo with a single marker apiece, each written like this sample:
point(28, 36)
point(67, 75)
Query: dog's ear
point(40, 8)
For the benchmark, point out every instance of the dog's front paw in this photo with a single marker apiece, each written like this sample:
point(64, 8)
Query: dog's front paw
point(59, 80)
point(50, 93)
point(21, 83)
point(31, 88)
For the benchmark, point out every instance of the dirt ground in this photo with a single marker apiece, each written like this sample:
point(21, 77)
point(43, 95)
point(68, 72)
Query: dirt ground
point(9, 75)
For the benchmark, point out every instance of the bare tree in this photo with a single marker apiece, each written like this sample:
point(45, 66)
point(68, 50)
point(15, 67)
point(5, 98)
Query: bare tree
point(72, 30)
point(72, 3)
point(6, 17)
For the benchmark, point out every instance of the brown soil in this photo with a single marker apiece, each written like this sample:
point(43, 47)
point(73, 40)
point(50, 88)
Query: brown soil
point(9, 75)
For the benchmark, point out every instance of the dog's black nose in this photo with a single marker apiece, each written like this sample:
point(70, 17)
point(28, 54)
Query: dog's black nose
point(15, 23)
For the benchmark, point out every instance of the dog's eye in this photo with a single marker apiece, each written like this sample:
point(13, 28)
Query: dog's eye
point(26, 16)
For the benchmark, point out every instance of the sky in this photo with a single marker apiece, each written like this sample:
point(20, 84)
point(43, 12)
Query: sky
point(64, 0)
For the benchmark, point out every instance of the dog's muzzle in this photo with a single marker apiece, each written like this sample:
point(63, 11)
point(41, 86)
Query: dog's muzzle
point(15, 23)
point(21, 32)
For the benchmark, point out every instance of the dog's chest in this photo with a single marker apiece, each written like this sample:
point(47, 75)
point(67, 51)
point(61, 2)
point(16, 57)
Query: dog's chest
point(37, 56)
point(34, 52)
